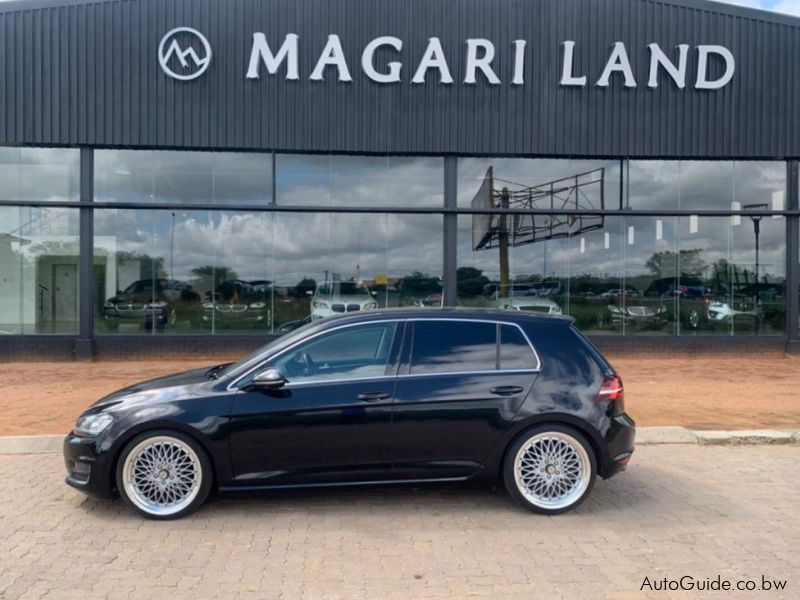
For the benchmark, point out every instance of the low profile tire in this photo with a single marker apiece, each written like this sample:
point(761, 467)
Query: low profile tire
point(550, 469)
point(164, 474)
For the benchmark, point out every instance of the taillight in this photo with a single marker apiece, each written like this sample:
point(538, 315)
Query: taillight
point(611, 389)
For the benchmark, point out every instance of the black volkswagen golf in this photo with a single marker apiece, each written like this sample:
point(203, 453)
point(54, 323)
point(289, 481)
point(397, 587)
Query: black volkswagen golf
point(384, 397)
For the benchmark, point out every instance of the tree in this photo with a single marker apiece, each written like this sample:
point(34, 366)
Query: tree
point(305, 285)
point(669, 264)
point(208, 277)
point(470, 282)
point(420, 284)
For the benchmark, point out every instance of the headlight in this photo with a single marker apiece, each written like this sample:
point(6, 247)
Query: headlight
point(158, 306)
point(556, 310)
point(94, 424)
point(257, 305)
point(208, 305)
point(370, 305)
point(109, 305)
point(318, 304)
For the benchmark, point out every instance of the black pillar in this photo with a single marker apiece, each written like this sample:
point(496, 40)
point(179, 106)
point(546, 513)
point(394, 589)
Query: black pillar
point(84, 345)
point(450, 291)
point(793, 259)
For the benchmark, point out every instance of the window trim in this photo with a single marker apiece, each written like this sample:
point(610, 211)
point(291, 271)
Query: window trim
point(497, 322)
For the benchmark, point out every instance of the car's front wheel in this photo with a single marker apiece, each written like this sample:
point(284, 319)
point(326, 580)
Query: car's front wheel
point(550, 469)
point(164, 474)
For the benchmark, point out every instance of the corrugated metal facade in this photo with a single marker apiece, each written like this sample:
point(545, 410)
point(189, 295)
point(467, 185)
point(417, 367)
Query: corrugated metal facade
point(88, 73)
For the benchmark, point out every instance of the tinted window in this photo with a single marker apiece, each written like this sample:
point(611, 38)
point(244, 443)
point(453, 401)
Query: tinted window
point(515, 352)
point(453, 346)
point(347, 353)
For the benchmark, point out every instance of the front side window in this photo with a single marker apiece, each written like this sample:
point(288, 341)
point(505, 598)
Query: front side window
point(453, 347)
point(349, 353)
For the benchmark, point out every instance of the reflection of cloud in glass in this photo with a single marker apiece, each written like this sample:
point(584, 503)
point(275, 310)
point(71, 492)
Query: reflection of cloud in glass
point(279, 246)
point(50, 174)
point(359, 181)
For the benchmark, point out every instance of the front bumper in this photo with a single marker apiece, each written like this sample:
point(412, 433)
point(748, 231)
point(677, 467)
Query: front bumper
point(150, 316)
point(620, 445)
point(88, 469)
point(237, 318)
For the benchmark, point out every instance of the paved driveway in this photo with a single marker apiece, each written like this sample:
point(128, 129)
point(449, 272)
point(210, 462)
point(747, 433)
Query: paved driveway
point(679, 510)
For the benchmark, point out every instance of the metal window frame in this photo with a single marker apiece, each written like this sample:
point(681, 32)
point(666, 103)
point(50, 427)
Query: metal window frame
point(84, 343)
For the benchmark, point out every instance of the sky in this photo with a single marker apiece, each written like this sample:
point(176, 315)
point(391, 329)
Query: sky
point(790, 7)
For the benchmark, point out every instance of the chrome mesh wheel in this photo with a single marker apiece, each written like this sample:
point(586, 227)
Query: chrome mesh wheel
point(162, 475)
point(552, 470)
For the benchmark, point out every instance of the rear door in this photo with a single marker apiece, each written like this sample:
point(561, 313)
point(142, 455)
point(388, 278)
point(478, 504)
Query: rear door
point(459, 387)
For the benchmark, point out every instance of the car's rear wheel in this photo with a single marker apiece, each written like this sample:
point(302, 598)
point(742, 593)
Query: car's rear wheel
point(550, 469)
point(164, 474)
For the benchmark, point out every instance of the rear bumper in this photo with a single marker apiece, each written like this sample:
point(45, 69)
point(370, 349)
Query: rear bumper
point(87, 469)
point(619, 445)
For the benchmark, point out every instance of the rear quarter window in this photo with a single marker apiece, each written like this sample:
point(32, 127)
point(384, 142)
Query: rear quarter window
point(515, 351)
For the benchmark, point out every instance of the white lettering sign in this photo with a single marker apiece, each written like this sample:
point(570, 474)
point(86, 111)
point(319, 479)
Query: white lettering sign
point(185, 54)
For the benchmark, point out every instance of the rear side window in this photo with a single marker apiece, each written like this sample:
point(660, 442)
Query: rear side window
point(457, 346)
point(453, 346)
point(515, 352)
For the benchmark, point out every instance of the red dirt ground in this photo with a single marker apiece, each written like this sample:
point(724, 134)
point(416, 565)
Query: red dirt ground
point(699, 392)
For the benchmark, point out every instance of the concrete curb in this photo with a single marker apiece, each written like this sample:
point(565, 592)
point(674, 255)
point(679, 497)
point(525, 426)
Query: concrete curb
point(31, 444)
point(645, 436)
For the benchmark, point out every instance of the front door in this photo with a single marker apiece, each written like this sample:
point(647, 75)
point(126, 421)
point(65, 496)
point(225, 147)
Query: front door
point(330, 421)
point(65, 293)
point(461, 384)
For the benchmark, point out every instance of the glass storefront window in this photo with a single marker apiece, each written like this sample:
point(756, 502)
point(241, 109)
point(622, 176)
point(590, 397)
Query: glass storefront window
point(219, 272)
point(544, 183)
point(50, 174)
point(334, 180)
point(683, 275)
point(183, 177)
point(38, 270)
point(709, 185)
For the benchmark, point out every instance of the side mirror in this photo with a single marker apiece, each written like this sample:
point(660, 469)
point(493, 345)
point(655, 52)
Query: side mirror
point(268, 379)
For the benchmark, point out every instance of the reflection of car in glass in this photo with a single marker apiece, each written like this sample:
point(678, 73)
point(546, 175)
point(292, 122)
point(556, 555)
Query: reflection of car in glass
point(237, 303)
point(547, 289)
point(292, 325)
point(642, 315)
point(685, 287)
point(738, 306)
point(152, 303)
point(434, 300)
point(403, 396)
point(534, 304)
point(340, 297)
point(619, 292)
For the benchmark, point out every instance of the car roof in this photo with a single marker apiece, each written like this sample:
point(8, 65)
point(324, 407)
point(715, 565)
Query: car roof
point(476, 314)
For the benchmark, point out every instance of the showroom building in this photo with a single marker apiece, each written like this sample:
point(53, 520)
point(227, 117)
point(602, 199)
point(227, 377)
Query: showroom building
point(199, 175)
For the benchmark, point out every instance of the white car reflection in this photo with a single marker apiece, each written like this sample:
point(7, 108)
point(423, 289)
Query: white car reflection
point(340, 297)
point(534, 304)
point(719, 311)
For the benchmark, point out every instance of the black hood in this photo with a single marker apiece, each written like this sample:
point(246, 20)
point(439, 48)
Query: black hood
point(144, 391)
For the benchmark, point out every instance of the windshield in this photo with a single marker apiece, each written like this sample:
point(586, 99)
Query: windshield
point(343, 288)
point(252, 359)
point(137, 287)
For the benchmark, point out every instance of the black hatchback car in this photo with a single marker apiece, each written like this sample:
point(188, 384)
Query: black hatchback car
point(381, 397)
